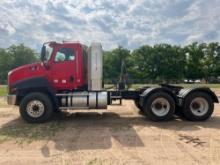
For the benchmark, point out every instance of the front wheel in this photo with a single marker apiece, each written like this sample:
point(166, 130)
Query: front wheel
point(36, 108)
point(159, 106)
point(198, 106)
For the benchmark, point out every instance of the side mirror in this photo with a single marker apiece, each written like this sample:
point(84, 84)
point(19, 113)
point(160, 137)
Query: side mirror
point(43, 53)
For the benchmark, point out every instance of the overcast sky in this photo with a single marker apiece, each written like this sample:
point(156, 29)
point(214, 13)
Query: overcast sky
point(129, 23)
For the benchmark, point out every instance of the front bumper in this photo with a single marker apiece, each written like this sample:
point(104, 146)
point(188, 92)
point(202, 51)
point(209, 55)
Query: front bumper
point(11, 99)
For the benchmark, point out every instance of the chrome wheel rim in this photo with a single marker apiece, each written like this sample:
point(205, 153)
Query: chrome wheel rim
point(160, 107)
point(35, 108)
point(199, 106)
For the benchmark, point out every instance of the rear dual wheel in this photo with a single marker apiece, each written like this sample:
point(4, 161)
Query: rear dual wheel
point(198, 106)
point(159, 106)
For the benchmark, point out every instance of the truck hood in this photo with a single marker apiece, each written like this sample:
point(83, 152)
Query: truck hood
point(25, 72)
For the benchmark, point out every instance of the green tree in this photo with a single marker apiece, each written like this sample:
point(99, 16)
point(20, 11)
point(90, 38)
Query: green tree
point(162, 63)
point(217, 62)
point(211, 60)
point(5, 65)
point(141, 67)
point(14, 56)
point(194, 68)
point(21, 55)
point(168, 62)
point(113, 61)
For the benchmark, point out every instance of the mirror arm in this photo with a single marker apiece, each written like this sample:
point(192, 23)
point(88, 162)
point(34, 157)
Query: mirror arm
point(46, 65)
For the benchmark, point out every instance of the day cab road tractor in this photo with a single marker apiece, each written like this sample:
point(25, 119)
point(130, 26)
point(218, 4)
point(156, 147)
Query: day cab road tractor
point(69, 77)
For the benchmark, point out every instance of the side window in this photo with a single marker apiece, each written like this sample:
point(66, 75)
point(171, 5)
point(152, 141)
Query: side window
point(65, 54)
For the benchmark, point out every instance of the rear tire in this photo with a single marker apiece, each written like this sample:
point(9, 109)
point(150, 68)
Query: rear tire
point(159, 106)
point(36, 108)
point(198, 106)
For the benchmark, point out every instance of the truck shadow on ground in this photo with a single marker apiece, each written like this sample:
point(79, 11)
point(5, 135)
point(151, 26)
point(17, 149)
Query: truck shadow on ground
point(93, 130)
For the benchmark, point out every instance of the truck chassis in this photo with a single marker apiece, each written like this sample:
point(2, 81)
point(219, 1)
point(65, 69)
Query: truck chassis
point(157, 103)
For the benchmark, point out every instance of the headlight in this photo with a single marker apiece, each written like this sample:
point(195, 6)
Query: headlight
point(12, 90)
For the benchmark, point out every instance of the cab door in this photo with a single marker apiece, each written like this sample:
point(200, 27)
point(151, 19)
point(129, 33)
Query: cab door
point(63, 68)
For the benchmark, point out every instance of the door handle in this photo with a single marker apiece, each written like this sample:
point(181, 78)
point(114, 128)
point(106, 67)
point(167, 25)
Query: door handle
point(71, 79)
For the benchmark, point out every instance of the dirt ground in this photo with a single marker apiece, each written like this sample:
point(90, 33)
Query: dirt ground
point(119, 135)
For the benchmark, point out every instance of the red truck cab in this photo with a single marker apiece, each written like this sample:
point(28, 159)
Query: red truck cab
point(63, 65)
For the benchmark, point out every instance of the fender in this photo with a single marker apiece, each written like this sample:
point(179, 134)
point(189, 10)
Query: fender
point(183, 93)
point(37, 84)
point(152, 90)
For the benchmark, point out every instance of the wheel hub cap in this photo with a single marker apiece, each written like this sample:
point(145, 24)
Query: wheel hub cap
point(199, 106)
point(160, 106)
point(35, 108)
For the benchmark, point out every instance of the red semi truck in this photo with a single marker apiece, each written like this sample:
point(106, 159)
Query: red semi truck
point(69, 76)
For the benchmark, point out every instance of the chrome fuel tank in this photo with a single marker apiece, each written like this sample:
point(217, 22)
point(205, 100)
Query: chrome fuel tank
point(91, 100)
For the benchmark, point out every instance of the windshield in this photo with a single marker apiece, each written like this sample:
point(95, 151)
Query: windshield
point(48, 53)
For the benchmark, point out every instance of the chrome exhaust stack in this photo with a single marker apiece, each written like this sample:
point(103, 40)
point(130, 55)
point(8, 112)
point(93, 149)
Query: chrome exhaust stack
point(95, 67)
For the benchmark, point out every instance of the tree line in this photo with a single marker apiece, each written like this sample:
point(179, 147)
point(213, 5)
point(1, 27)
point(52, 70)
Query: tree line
point(14, 56)
point(165, 63)
point(160, 63)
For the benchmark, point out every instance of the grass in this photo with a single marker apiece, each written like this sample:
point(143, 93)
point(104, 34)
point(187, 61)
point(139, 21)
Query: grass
point(3, 90)
point(95, 162)
point(26, 133)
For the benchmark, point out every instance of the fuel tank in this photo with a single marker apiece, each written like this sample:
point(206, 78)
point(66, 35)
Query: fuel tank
point(90, 100)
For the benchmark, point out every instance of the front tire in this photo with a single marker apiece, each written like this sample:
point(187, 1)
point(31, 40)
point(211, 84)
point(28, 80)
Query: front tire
point(159, 106)
point(198, 106)
point(36, 108)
